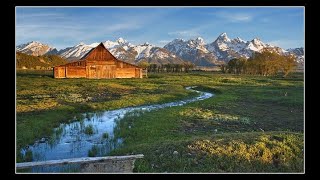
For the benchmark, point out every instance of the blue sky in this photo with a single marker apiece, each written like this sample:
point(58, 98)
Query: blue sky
point(63, 27)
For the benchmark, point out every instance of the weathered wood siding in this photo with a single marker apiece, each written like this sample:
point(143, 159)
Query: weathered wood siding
point(126, 72)
point(98, 63)
point(100, 71)
point(100, 53)
point(76, 72)
point(59, 72)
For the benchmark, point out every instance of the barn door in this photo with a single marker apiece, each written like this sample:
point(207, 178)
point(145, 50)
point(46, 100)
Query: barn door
point(113, 71)
point(62, 72)
point(138, 72)
point(110, 71)
point(99, 72)
point(92, 72)
point(104, 72)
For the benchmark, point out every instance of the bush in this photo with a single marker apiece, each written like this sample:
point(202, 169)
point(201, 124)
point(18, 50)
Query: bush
point(266, 63)
point(93, 152)
point(89, 130)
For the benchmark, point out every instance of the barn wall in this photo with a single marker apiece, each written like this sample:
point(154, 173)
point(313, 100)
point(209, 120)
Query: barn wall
point(121, 64)
point(126, 73)
point(101, 71)
point(59, 72)
point(76, 72)
point(138, 72)
point(97, 72)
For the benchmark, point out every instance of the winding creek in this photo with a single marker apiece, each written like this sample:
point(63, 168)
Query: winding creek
point(94, 134)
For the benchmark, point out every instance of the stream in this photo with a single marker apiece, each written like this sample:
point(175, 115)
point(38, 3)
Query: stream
point(93, 135)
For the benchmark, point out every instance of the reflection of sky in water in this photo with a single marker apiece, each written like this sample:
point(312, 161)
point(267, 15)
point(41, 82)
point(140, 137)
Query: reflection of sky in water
point(70, 141)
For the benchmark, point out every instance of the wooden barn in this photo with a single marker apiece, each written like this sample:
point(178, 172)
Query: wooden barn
point(98, 63)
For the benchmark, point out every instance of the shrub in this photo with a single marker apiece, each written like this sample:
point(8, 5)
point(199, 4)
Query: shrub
point(89, 130)
point(93, 152)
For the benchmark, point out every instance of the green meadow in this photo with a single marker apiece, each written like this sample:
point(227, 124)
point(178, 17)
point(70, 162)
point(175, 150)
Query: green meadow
point(251, 124)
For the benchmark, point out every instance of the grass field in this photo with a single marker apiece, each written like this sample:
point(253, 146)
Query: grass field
point(252, 124)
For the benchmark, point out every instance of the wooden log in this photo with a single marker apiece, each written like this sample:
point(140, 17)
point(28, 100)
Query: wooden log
point(85, 160)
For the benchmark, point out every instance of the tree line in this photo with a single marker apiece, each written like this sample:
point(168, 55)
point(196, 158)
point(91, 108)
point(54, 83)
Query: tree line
point(265, 63)
point(46, 61)
point(173, 68)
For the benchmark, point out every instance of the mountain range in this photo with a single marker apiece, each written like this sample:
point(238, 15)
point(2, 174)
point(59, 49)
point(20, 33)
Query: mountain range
point(36, 49)
point(177, 51)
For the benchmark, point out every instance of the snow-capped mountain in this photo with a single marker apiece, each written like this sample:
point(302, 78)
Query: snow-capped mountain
point(36, 48)
point(226, 48)
point(125, 51)
point(77, 51)
point(118, 43)
point(193, 50)
point(299, 53)
point(157, 55)
point(220, 51)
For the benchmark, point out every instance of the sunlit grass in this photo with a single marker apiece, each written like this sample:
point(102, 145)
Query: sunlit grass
point(252, 124)
point(233, 152)
point(281, 152)
point(197, 113)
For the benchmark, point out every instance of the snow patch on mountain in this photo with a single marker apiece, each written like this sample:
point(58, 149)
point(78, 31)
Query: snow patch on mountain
point(118, 43)
point(193, 50)
point(35, 48)
point(299, 53)
point(77, 51)
point(142, 50)
point(227, 48)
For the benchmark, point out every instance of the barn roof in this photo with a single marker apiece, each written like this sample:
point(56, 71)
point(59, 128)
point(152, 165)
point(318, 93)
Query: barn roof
point(69, 63)
point(91, 51)
point(105, 52)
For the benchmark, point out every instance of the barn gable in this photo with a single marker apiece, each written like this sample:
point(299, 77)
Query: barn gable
point(99, 53)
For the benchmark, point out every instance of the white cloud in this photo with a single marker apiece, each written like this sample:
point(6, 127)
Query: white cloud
point(185, 33)
point(60, 28)
point(235, 17)
point(164, 41)
point(122, 26)
point(33, 15)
